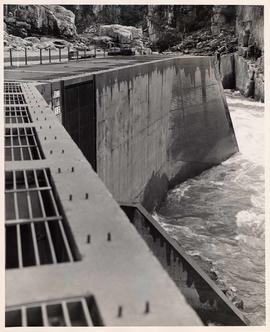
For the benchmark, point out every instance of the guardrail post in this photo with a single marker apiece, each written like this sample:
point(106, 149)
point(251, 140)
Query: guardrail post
point(40, 56)
point(68, 49)
point(77, 53)
point(10, 57)
point(104, 52)
point(59, 54)
point(25, 55)
point(95, 51)
point(50, 57)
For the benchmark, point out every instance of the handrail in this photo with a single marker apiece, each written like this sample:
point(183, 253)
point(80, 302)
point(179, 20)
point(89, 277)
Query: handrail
point(25, 59)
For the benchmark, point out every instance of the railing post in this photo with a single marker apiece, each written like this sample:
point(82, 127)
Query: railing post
point(10, 57)
point(77, 54)
point(68, 49)
point(25, 56)
point(50, 58)
point(104, 52)
point(59, 54)
point(40, 56)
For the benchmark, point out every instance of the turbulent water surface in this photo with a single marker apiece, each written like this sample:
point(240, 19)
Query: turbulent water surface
point(218, 217)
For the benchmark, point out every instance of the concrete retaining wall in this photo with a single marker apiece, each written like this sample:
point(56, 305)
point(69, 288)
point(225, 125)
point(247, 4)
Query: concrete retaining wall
point(227, 71)
point(248, 80)
point(47, 90)
point(244, 75)
point(158, 124)
point(237, 72)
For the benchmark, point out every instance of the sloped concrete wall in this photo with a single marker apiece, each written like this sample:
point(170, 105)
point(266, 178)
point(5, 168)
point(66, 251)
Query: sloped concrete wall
point(158, 124)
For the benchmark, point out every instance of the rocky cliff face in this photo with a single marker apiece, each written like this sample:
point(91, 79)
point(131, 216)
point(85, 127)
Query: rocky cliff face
point(40, 20)
point(249, 60)
point(158, 22)
point(249, 26)
point(89, 15)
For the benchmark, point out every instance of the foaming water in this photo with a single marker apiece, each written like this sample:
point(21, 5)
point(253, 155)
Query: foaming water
point(218, 216)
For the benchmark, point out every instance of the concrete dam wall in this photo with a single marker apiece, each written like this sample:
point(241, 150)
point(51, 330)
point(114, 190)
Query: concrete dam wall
point(159, 123)
point(146, 127)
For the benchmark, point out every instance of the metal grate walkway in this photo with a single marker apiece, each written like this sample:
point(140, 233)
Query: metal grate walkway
point(22, 144)
point(36, 232)
point(17, 114)
point(78, 311)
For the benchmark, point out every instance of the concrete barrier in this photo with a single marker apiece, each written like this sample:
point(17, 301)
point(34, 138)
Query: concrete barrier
point(150, 125)
point(158, 124)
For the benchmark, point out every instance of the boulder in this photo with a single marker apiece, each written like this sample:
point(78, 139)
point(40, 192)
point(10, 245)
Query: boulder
point(102, 41)
point(120, 33)
point(10, 20)
point(33, 40)
point(14, 42)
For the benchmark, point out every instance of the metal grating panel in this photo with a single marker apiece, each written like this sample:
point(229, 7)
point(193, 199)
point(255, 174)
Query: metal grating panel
point(14, 99)
point(12, 87)
point(17, 114)
point(22, 144)
point(79, 311)
point(36, 232)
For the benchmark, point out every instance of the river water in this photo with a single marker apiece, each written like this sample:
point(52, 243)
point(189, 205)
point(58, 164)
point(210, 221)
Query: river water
point(218, 216)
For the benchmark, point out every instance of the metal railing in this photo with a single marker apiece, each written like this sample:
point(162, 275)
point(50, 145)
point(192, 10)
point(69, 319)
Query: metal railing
point(26, 57)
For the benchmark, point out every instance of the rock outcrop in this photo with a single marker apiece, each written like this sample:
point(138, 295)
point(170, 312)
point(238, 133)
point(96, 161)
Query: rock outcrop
point(203, 42)
point(223, 18)
point(122, 34)
point(249, 26)
point(236, 38)
point(33, 43)
point(249, 60)
point(41, 20)
point(249, 77)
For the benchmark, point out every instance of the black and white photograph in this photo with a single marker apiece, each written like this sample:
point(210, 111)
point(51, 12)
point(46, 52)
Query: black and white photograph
point(134, 147)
